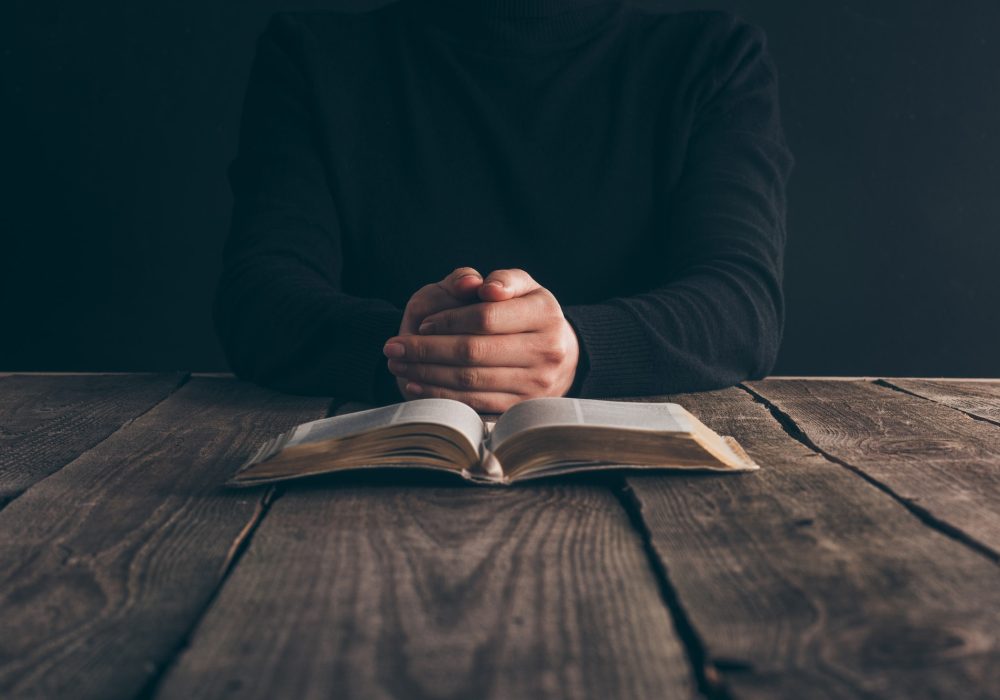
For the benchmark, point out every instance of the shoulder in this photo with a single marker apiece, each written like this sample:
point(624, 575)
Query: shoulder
point(706, 37)
point(710, 49)
point(706, 26)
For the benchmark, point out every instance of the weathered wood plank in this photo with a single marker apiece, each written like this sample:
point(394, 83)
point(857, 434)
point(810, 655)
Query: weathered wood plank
point(47, 421)
point(941, 462)
point(803, 580)
point(107, 564)
point(980, 399)
point(367, 591)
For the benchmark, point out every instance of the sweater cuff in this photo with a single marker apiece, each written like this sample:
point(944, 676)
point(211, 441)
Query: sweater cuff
point(615, 356)
point(379, 327)
point(349, 362)
point(385, 389)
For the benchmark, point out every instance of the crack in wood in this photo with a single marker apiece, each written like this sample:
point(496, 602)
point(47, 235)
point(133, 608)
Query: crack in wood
point(889, 385)
point(236, 550)
point(925, 516)
point(242, 540)
point(9, 497)
point(707, 677)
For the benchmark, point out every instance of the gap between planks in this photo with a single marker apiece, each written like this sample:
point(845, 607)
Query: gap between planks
point(240, 544)
point(793, 430)
point(705, 670)
point(909, 386)
point(180, 379)
point(236, 550)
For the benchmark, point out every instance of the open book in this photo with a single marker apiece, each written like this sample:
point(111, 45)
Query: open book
point(535, 438)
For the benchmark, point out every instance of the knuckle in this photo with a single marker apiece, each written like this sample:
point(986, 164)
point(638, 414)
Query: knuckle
point(415, 312)
point(420, 301)
point(545, 380)
point(486, 317)
point(523, 276)
point(548, 306)
point(471, 351)
point(467, 378)
point(554, 354)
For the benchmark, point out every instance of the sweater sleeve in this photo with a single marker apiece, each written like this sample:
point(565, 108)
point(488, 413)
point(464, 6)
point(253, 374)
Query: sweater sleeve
point(280, 313)
point(715, 315)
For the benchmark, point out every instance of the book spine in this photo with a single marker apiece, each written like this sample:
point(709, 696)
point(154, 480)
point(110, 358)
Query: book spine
point(489, 468)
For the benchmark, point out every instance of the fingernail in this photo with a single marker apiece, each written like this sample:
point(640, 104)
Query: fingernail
point(414, 388)
point(425, 328)
point(478, 277)
point(394, 350)
point(494, 283)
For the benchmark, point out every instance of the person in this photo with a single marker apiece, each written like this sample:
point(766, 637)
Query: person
point(495, 200)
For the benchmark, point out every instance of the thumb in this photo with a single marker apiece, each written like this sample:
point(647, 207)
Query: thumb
point(463, 283)
point(457, 289)
point(501, 285)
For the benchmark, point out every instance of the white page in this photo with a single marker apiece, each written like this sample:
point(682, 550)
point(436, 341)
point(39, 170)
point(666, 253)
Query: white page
point(451, 413)
point(550, 412)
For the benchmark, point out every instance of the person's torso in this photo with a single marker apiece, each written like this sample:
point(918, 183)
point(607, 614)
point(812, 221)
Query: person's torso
point(559, 162)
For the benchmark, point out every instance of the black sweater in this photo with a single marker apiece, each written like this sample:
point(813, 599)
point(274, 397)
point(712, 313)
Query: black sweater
point(632, 161)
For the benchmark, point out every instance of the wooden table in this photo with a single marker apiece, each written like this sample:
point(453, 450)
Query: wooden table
point(862, 560)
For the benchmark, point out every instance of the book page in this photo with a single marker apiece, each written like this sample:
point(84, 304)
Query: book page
point(442, 411)
point(535, 413)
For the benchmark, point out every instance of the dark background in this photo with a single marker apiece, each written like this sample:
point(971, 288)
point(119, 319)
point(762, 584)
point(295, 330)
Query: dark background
point(118, 120)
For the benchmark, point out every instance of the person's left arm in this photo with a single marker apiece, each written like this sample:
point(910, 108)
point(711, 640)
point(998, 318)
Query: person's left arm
point(713, 315)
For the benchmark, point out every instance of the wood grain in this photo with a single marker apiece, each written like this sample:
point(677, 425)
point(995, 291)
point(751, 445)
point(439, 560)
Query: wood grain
point(941, 462)
point(107, 564)
point(980, 399)
point(438, 592)
point(47, 421)
point(802, 580)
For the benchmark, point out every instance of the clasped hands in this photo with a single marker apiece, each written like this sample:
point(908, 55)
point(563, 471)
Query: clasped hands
point(489, 343)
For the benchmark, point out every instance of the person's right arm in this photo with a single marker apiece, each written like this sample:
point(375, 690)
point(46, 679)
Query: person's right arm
point(280, 312)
